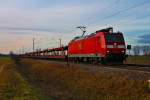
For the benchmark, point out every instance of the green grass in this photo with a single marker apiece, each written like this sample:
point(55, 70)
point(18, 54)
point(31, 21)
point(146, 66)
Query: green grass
point(145, 60)
point(13, 86)
point(5, 58)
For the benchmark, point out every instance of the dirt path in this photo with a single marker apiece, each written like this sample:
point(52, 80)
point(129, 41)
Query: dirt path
point(1, 68)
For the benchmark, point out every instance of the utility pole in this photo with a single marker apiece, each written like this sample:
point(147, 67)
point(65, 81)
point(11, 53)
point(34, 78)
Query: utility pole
point(19, 51)
point(23, 51)
point(33, 43)
point(60, 42)
point(83, 29)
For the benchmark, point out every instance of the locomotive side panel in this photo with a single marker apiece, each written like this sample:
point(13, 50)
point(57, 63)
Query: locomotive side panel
point(75, 47)
point(89, 46)
point(101, 44)
point(93, 46)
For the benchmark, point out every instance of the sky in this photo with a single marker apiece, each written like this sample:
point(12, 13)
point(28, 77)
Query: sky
point(49, 20)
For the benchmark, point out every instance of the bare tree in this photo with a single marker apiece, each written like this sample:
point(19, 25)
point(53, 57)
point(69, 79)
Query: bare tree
point(136, 50)
point(146, 50)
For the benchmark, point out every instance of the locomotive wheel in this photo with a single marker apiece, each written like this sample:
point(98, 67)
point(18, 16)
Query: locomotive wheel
point(103, 60)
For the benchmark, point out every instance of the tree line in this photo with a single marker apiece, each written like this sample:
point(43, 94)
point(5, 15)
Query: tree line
point(141, 50)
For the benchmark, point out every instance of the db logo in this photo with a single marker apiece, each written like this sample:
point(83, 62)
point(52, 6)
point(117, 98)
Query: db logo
point(115, 45)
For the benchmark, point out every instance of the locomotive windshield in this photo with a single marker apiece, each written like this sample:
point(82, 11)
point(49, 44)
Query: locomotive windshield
point(114, 38)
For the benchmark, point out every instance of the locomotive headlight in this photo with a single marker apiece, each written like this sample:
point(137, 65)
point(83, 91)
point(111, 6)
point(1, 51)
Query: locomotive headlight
point(123, 51)
point(108, 51)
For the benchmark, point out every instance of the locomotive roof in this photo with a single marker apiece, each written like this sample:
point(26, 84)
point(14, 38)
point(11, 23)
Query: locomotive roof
point(83, 37)
point(108, 30)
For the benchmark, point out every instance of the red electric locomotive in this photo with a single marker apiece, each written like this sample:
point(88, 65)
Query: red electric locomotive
point(102, 46)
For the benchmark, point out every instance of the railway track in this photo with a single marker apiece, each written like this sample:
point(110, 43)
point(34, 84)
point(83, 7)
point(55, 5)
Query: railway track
point(135, 67)
point(130, 67)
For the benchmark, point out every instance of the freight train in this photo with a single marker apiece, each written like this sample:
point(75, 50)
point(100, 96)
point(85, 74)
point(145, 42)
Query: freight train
point(103, 46)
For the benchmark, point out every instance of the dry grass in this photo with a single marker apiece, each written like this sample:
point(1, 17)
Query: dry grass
point(61, 82)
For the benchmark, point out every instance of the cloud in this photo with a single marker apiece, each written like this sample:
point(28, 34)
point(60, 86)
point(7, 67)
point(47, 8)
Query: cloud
point(26, 29)
point(56, 17)
point(21, 19)
point(47, 21)
point(144, 39)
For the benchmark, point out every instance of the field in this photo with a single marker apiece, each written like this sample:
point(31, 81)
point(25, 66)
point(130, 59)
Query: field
point(29, 79)
point(13, 86)
point(143, 60)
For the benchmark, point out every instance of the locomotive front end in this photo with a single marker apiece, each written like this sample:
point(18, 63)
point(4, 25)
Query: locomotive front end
point(115, 47)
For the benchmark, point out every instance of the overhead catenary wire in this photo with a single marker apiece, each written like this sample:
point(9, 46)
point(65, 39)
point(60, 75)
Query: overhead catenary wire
point(107, 7)
point(129, 8)
point(121, 11)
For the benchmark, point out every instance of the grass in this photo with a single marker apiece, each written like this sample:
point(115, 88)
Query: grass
point(13, 85)
point(61, 82)
point(145, 60)
point(5, 58)
point(42, 80)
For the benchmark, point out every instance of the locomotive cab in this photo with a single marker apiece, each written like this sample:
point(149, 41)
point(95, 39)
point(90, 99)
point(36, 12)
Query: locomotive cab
point(115, 46)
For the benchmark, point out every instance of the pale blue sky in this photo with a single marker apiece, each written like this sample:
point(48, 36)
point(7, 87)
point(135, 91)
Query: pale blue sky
point(49, 20)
